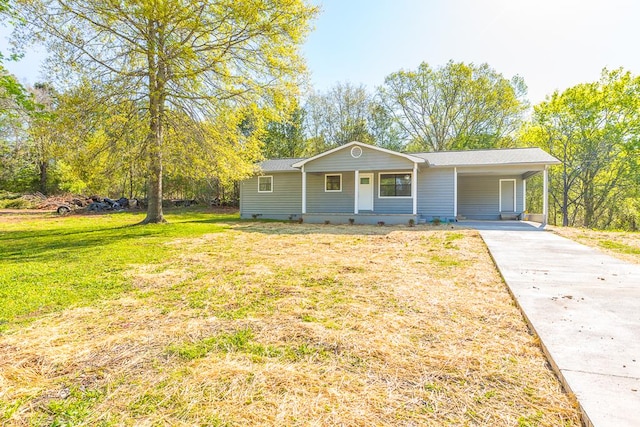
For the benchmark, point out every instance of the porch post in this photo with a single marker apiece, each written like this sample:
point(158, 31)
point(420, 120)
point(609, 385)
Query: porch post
point(356, 190)
point(304, 191)
point(414, 188)
point(545, 196)
point(455, 193)
point(524, 194)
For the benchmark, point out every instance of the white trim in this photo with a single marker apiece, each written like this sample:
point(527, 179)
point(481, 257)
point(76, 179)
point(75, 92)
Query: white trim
point(356, 149)
point(515, 201)
point(271, 186)
point(371, 176)
point(362, 145)
point(414, 188)
point(524, 195)
point(325, 183)
point(356, 180)
point(455, 192)
point(545, 196)
point(304, 191)
point(394, 173)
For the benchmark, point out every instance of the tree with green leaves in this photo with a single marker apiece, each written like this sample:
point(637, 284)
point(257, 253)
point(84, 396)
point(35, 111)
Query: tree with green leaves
point(285, 138)
point(337, 117)
point(210, 61)
point(594, 129)
point(457, 106)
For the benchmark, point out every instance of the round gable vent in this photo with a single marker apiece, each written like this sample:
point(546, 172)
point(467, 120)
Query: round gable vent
point(356, 152)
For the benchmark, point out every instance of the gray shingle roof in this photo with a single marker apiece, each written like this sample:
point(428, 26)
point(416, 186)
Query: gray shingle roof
point(507, 156)
point(279, 165)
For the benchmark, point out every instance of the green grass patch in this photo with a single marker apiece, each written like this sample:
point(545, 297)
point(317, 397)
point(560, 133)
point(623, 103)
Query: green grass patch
point(620, 247)
point(48, 263)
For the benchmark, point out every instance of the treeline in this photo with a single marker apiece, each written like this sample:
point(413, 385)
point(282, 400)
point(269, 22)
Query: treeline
point(71, 142)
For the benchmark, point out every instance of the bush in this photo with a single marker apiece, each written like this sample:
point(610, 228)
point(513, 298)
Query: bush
point(19, 203)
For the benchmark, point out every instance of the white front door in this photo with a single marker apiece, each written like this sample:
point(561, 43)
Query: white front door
point(507, 195)
point(365, 192)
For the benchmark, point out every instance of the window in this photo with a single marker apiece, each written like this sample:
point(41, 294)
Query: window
point(333, 182)
point(395, 185)
point(265, 184)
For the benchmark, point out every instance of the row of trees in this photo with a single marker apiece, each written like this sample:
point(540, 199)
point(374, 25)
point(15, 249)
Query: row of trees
point(454, 107)
point(190, 95)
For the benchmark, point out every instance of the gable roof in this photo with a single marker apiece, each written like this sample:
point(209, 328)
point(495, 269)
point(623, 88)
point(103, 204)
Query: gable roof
point(279, 165)
point(410, 157)
point(505, 156)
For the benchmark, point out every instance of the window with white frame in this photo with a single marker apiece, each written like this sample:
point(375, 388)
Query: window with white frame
point(333, 182)
point(265, 184)
point(394, 185)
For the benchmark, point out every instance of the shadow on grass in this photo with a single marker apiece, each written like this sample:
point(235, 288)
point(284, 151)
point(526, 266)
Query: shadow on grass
point(37, 244)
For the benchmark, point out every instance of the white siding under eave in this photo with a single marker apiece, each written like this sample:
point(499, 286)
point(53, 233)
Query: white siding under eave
point(284, 201)
point(435, 193)
point(479, 196)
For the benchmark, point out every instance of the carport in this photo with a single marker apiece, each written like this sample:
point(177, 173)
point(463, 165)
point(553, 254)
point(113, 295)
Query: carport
point(492, 184)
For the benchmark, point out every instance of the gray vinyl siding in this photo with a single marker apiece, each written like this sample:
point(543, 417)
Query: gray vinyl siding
point(436, 192)
point(479, 196)
point(320, 201)
point(285, 200)
point(369, 160)
point(392, 205)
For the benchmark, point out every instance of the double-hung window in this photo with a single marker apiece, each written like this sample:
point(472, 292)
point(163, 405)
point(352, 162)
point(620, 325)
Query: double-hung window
point(394, 185)
point(333, 182)
point(265, 184)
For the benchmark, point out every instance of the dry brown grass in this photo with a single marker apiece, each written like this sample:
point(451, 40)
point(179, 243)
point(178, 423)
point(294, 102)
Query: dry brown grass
point(620, 244)
point(296, 325)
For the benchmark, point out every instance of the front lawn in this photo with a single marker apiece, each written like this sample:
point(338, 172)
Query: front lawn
point(214, 321)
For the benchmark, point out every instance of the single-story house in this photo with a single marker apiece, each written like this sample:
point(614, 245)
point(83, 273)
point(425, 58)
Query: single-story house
point(368, 184)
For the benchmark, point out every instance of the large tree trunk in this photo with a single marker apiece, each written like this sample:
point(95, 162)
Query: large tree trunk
point(44, 176)
point(156, 111)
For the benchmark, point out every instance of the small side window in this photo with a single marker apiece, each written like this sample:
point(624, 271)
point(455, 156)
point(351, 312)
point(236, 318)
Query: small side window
point(333, 182)
point(265, 184)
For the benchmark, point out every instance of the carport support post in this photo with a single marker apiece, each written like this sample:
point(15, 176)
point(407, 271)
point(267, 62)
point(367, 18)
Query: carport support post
point(304, 191)
point(455, 193)
point(545, 195)
point(414, 188)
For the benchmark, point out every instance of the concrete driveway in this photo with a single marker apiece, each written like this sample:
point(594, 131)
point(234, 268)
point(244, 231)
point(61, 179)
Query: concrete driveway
point(585, 307)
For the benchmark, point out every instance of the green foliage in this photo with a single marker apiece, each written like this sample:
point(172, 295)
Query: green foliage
point(593, 128)
point(337, 117)
point(194, 72)
point(454, 107)
point(285, 138)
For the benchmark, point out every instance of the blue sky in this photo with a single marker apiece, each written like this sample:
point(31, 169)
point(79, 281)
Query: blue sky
point(552, 44)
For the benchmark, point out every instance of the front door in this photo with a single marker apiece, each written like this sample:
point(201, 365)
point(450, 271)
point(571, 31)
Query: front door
point(365, 192)
point(507, 195)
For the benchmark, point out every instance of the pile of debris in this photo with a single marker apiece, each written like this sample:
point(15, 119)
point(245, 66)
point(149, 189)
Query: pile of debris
point(91, 204)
